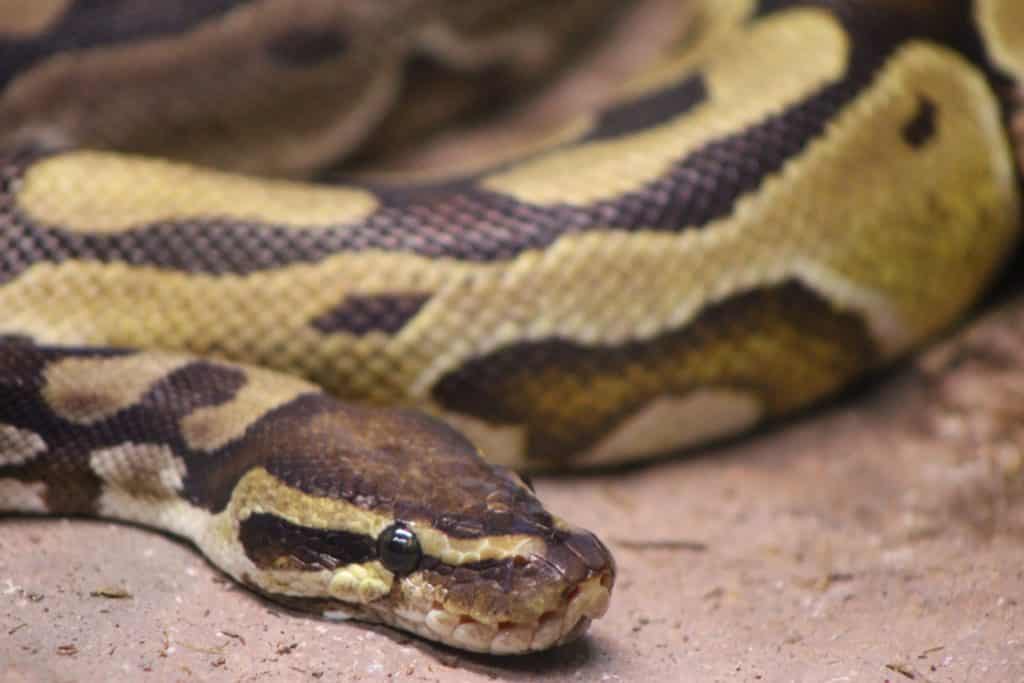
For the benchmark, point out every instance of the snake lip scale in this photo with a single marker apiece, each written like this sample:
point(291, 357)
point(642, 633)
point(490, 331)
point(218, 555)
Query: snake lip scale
point(328, 388)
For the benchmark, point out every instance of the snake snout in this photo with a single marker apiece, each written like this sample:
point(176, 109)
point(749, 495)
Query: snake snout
point(588, 569)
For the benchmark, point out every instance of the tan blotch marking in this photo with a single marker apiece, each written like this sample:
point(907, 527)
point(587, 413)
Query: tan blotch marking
point(99, 192)
point(18, 446)
point(1002, 25)
point(211, 427)
point(22, 496)
point(143, 470)
point(25, 19)
point(259, 491)
point(675, 422)
point(738, 96)
point(499, 444)
point(86, 390)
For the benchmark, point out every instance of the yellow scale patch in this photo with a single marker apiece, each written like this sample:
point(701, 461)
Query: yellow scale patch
point(102, 192)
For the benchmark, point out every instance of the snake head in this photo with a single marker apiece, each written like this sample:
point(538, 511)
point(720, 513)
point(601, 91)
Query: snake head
point(392, 516)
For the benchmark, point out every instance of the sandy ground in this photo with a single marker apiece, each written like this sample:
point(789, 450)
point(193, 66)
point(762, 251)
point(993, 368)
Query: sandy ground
point(881, 539)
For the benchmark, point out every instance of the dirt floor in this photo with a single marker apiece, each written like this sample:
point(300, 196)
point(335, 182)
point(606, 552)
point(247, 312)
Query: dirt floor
point(881, 539)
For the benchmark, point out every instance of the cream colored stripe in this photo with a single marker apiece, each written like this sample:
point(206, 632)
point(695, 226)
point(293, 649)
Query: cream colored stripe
point(22, 496)
point(103, 192)
point(86, 390)
point(744, 87)
point(259, 491)
point(212, 427)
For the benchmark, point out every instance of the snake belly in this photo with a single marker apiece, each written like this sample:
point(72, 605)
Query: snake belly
point(807, 191)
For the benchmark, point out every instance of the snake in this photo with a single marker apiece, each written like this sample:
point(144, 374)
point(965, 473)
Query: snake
point(329, 382)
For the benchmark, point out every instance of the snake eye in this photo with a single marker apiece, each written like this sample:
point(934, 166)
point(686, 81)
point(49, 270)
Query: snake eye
point(399, 549)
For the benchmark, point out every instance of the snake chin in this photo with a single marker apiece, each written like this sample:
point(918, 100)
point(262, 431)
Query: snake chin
point(561, 624)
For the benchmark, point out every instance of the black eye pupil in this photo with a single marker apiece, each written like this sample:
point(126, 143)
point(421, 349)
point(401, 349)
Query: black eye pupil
point(399, 549)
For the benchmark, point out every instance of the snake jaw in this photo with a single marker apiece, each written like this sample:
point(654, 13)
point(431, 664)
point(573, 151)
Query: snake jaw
point(556, 623)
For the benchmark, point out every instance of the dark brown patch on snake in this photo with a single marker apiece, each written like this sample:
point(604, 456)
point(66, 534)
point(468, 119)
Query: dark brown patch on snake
point(921, 127)
point(304, 47)
point(658, 107)
point(274, 543)
point(401, 463)
point(569, 396)
point(360, 315)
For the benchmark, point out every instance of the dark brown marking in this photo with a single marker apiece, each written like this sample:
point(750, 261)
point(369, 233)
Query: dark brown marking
point(360, 315)
point(305, 47)
point(274, 543)
point(659, 107)
point(569, 396)
point(921, 127)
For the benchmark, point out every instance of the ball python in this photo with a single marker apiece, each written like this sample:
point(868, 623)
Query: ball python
point(196, 339)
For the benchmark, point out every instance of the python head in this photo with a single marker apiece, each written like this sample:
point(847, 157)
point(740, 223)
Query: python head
point(391, 516)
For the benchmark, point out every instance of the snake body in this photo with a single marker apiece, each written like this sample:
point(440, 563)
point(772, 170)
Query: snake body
point(807, 191)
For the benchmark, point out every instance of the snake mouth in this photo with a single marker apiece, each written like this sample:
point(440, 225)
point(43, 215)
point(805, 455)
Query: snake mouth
point(568, 621)
point(542, 600)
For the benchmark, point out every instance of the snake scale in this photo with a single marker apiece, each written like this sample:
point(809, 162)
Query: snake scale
point(800, 193)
